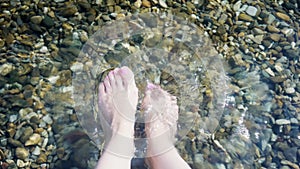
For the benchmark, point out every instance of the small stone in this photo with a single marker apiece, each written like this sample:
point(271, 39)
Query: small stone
point(20, 163)
point(76, 67)
point(36, 19)
point(67, 26)
point(251, 10)
point(84, 36)
point(36, 27)
point(137, 3)
point(294, 121)
point(2, 43)
point(84, 4)
point(271, 18)
point(293, 165)
point(258, 31)
point(282, 121)
point(245, 17)
point(36, 151)
point(243, 8)
point(28, 131)
point(110, 2)
point(222, 19)
point(44, 49)
point(267, 43)
point(6, 68)
point(287, 31)
point(257, 39)
point(106, 18)
point(69, 11)
point(42, 158)
point(3, 141)
point(272, 29)
point(15, 143)
point(48, 22)
point(283, 16)
point(237, 6)
point(146, 3)
point(9, 38)
point(275, 37)
point(22, 153)
point(278, 79)
point(221, 30)
point(290, 90)
point(60, 152)
point(270, 71)
point(2, 155)
point(13, 118)
point(163, 4)
point(33, 140)
point(47, 119)
point(278, 67)
point(38, 105)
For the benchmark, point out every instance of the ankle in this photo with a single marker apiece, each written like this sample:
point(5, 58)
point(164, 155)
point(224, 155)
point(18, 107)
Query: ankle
point(159, 145)
point(124, 128)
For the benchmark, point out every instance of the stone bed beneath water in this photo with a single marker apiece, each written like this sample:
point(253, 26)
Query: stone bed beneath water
point(258, 39)
point(161, 49)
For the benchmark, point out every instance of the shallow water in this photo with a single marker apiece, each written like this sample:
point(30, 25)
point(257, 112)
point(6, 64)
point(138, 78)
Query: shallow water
point(241, 111)
point(163, 50)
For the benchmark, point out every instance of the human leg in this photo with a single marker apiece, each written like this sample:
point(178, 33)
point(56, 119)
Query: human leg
point(118, 96)
point(161, 124)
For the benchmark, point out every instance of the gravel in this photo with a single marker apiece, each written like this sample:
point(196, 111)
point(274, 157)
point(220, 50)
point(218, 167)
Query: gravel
point(258, 41)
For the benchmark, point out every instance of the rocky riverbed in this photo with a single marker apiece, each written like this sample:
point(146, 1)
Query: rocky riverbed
point(258, 40)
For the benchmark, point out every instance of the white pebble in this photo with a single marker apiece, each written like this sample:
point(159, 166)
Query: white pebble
point(270, 71)
point(44, 49)
point(290, 90)
point(45, 142)
point(278, 67)
point(20, 163)
point(42, 124)
point(294, 121)
point(282, 121)
point(287, 31)
point(13, 118)
point(243, 8)
point(53, 79)
point(76, 67)
point(274, 137)
point(237, 6)
point(251, 10)
point(36, 151)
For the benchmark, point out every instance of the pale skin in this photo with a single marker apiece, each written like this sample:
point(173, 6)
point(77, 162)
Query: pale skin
point(118, 98)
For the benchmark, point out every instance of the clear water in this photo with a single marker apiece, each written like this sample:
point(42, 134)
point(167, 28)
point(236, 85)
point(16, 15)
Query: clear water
point(178, 56)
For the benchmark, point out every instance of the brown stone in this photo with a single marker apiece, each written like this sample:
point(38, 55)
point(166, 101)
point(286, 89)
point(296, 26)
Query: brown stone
point(69, 11)
point(275, 37)
point(9, 38)
point(273, 29)
point(245, 17)
point(283, 16)
point(22, 153)
point(42, 159)
point(146, 3)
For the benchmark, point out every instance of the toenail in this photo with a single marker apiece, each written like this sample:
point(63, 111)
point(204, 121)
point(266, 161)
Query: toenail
point(151, 86)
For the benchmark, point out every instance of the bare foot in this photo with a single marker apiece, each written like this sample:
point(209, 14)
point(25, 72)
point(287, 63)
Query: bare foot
point(161, 115)
point(161, 125)
point(118, 97)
